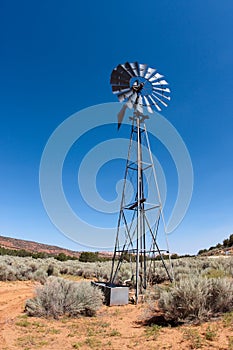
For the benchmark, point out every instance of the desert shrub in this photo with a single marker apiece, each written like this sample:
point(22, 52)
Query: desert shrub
point(26, 268)
point(124, 273)
point(62, 297)
point(158, 274)
point(100, 270)
point(203, 266)
point(220, 297)
point(197, 299)
point(214, 273)
point(40, 275)
point(157, 278)
point(7, 272)
point(103, 270)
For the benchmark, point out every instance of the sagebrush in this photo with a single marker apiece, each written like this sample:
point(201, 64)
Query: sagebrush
point(17, 268)
point(197, 299)
point(59, 297)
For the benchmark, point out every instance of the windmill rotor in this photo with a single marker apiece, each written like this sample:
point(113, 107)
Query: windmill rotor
point(139, 86)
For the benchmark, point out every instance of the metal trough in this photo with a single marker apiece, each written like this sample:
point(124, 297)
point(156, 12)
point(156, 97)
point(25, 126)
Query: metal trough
point(113, 294)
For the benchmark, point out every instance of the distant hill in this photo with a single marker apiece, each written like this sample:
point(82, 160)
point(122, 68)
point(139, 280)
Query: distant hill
point(34, 247)
point(226, 248)
point(15, 244)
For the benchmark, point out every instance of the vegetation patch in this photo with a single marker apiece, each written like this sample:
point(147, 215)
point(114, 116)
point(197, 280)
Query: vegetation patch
point(153, 331)
point(58, 297)
point(194, 338)
point(211, 333)
point(197, 299)
point(228, 320)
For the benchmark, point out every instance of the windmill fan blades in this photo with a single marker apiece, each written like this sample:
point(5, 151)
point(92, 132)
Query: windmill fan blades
point(142, 69)
point(160, 82)
point(162, 95)
point(122, 91)
point(120, 76)
point(131, 100)
point(154, 103)
point(148, 105)
point(161, 89)
point(119, 81)
point(139, 104)
point(129, 69)
point(125, 95)
point(119, 88)
point(139, 85)
point(149, 72)
point(159, 99)
point(123, 72)
point(117, 77)
point(135, 68)
point(155, 77)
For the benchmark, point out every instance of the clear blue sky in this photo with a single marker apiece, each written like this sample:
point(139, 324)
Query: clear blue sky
point(56, 58)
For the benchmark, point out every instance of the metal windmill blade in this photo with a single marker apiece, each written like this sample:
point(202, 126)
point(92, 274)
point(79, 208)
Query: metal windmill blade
point(139, 86)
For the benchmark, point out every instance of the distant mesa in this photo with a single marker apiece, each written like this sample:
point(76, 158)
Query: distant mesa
point(34, 247)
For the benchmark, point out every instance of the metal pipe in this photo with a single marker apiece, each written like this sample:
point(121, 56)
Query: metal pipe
point(138, 208)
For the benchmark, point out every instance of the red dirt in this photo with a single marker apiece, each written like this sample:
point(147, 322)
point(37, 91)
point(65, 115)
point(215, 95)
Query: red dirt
point(113, 328)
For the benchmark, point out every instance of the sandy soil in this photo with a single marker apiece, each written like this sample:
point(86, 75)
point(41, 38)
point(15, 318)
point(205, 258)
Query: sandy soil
point(112, 329)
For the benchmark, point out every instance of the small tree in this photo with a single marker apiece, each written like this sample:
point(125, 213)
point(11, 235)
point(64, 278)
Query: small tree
point(231, 240)
point(201, 251)
point(61, 257)
point(89, 257)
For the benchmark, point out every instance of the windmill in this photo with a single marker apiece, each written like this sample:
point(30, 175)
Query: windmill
point(140, 88)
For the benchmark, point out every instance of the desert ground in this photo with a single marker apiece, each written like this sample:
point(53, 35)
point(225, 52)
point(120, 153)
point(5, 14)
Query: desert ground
point(118, 327)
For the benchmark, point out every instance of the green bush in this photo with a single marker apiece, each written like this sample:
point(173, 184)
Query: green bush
point(89, 257)
point(59, 297)
point(197, 299)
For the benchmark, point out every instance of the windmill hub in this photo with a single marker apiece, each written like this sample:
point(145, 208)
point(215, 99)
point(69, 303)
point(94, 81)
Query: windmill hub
point(141, 85)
